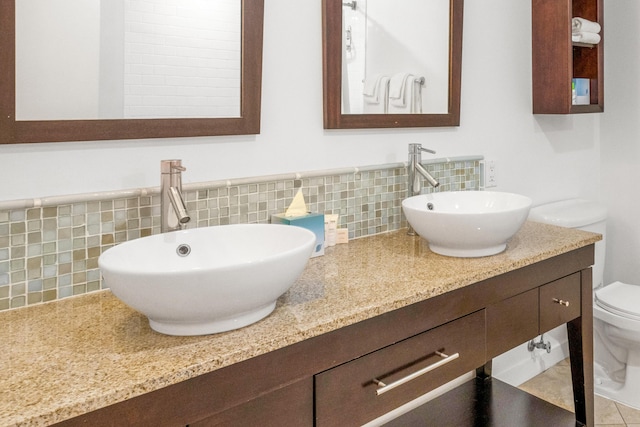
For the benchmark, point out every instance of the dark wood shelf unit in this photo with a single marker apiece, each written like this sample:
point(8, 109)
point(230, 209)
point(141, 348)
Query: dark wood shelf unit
point(556, 60)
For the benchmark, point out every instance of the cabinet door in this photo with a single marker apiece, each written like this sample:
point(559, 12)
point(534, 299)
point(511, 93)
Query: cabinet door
point(355, 393)
point(559, 302)
point(512, 322)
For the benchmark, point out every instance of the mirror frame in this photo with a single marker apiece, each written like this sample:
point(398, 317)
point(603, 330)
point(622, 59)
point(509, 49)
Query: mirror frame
point(332, 77)
point(14, 131)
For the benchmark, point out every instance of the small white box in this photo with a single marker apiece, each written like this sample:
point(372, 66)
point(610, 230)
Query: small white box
point(583, 92)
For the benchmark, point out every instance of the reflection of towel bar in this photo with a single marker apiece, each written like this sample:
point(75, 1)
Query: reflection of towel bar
point(351, 4)
point(386, 97)
point(417, 99)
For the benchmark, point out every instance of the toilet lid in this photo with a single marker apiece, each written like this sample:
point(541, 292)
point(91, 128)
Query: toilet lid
point(572, 213)
point(620, 298)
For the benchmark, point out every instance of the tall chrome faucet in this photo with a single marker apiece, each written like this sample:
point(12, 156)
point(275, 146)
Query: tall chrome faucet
point(415, 183)
point(174, 213)
point(415, 158)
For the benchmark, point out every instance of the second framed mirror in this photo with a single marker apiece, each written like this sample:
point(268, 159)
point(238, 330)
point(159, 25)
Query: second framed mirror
point(392, 63)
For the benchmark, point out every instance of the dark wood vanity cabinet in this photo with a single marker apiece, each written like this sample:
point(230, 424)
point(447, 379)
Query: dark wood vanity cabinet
point(335, 379)
point(556, 60)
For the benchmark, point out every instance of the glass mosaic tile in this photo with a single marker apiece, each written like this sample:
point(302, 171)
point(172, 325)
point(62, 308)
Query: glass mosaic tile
point(52, 252)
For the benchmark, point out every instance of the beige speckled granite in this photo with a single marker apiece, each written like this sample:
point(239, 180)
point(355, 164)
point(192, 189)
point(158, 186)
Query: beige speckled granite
point(67, 357)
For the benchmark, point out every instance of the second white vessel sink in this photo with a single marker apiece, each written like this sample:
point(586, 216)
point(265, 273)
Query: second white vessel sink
point(467, 223)
point(207, 280)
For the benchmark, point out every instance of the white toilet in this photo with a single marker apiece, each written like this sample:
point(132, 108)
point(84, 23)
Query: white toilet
point(616, 307)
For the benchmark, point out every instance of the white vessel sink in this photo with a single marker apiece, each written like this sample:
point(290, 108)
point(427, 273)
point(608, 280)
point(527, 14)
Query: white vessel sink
point(467, 223)
point(207, 280)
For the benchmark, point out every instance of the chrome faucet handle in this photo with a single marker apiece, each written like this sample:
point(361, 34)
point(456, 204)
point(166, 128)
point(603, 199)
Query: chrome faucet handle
point(417, 148)
point(171, 166)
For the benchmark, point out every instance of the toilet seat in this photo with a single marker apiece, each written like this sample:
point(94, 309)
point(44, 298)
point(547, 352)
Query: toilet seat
point(621, 299)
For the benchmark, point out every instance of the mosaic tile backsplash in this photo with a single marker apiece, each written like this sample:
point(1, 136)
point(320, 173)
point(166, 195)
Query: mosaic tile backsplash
point(51, 252)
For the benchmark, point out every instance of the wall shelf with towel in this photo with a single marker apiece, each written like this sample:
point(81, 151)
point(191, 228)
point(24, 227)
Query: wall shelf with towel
point(557, 59)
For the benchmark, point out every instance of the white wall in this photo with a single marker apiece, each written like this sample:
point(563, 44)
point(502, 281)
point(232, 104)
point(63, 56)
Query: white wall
point(621, 140)
point(546, 158)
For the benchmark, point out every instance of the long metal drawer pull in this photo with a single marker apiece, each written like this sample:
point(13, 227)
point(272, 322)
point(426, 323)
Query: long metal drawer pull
point(386, 387)
point(561, 302)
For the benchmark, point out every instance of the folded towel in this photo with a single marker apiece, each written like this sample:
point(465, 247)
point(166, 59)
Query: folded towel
point(398, 89)
point(584, 37)
point(579, 25)
point(378, 105)
point(371, 84)
point(371, 90)
point(396, 85)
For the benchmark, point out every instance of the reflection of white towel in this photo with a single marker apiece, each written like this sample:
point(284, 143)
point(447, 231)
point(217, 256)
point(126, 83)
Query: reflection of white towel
point(584, 37)
point(409, 102)
point(378, 104)
point(580, 25)
point(400, 89)
point(371, 90)
point(371, 85)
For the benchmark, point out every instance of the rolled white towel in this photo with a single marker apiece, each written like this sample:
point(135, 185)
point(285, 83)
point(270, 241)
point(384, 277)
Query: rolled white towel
point(581, 25)
point(584, 37)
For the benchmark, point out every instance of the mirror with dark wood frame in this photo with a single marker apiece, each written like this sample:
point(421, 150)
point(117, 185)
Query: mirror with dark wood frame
point(13, 130)
point(335, 116)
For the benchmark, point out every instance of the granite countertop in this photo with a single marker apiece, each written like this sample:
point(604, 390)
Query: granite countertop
point(75, 355)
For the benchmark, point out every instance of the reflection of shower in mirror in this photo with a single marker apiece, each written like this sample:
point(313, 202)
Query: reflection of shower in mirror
point(349, 37)
point(351, 4)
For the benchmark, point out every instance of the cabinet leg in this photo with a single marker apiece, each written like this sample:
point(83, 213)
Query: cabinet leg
point(484, 371)
point(580, 334)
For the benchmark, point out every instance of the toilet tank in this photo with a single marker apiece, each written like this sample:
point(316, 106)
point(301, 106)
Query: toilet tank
point(582, 214)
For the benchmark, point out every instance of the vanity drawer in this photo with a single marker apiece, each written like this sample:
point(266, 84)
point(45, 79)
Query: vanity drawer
point(559, 302)
point(351, 394)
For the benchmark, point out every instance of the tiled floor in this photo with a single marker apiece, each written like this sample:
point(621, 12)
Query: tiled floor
point(554, 385)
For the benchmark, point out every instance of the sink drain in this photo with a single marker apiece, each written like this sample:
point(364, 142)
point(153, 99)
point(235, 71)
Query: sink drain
point(430, 206)
point(183, 250)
